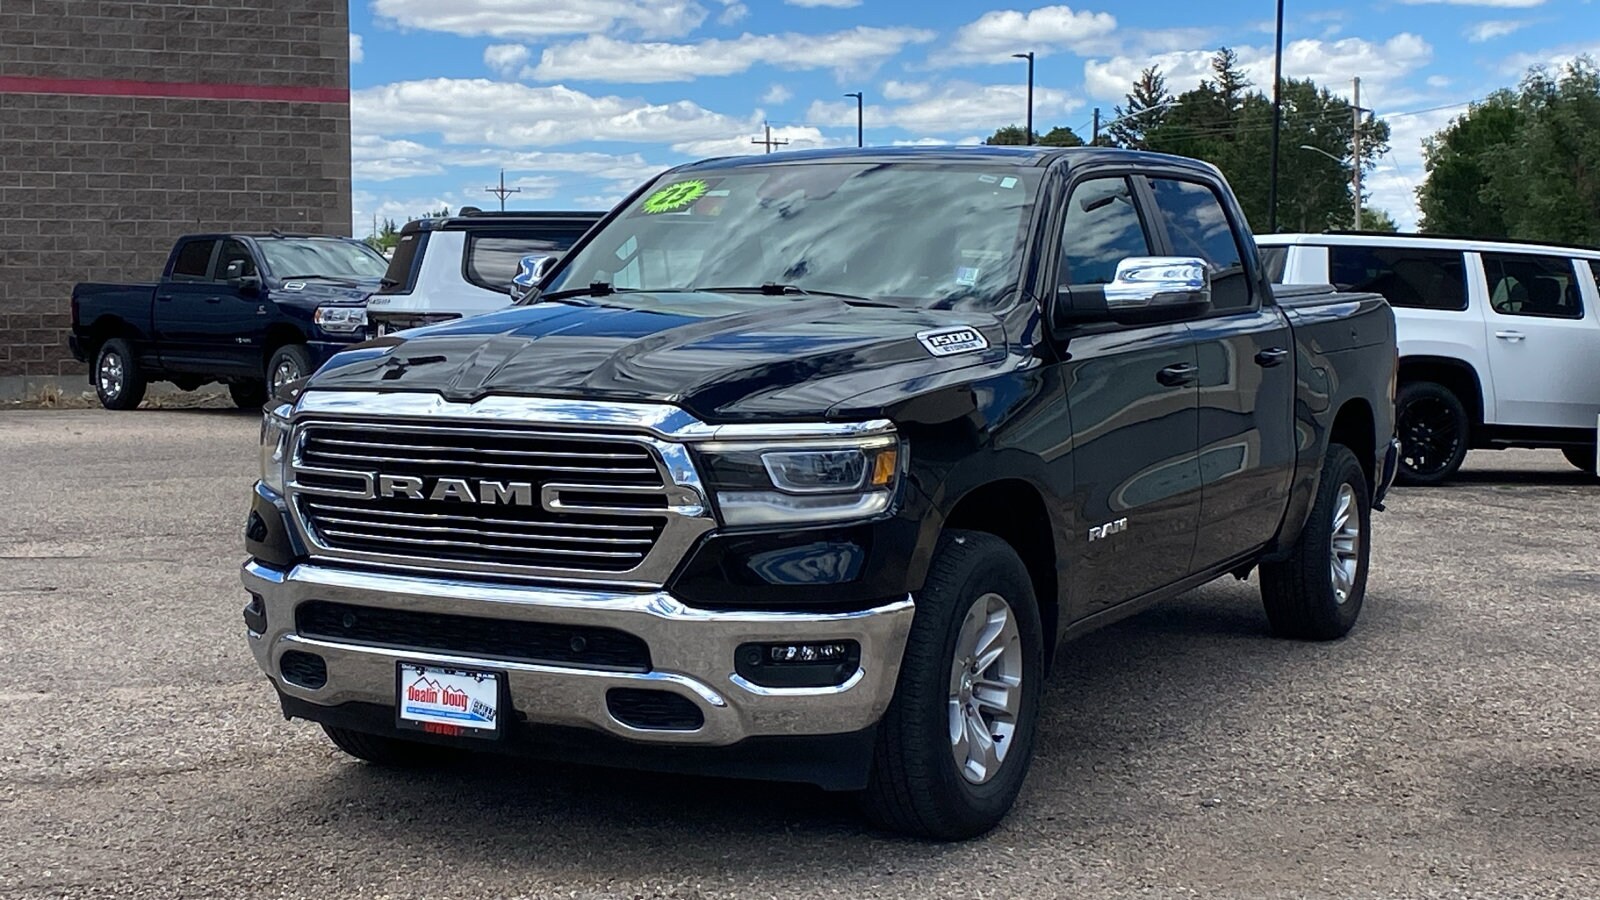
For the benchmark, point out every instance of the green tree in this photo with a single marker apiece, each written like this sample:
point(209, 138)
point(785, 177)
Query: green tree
point(1144, 109)
point(1377, 220)
point(1017, 136)
point(1454, 198)
point(385, 238)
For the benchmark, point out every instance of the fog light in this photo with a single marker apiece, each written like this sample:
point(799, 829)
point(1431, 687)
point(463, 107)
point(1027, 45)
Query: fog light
point(811, 664)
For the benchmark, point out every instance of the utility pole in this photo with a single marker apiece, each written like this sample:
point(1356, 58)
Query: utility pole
point(857, 95)
point(769, 142)
point(1029, 57)
point(1095, 138)
point(1355, 151)
point(1277, 124)
point(502, 190)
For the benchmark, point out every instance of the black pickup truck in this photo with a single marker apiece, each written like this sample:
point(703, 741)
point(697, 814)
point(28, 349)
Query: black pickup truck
point(252, 310)
point(808, 466)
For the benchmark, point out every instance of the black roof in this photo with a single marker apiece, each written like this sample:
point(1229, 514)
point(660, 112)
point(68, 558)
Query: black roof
point(480, 219)
point(263, 236)
point(981, 153)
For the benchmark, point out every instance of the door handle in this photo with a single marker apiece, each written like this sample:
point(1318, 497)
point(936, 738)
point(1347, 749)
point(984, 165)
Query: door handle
point(1271, 356)
point(213, 299)
point(164, 298)
point(1178, 375)
point(1512, 336)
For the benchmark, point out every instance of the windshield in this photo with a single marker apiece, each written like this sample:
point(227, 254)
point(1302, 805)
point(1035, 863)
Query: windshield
point(329, 257)
point(916, 233)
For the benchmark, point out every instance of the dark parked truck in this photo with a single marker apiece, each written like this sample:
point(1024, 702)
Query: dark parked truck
point(808, 466)
point(253, 310)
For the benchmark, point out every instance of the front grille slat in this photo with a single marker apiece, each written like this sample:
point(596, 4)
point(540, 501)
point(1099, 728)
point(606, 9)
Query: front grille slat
point(510, 640)
point(482, 529)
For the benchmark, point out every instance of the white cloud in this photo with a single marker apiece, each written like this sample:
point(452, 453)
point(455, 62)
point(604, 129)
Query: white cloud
point(1553, 58)
point(733, 13)
point(995, 35)
point(834, 4)
point(777, 95)
point(497, 113)
point(1499, 4)
point(905, 90)
point(1384, 68)
point(520, 19)
point(374, 158)
point(969, 141)
point(1438, 81)
point(800, 137)
point(1393, 182)
point(1494, 28)
point(956, 107)
point(505, 60)
point(600, 58)
point(357, 54)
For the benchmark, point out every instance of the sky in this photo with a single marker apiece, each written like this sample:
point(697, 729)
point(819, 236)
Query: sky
point(580, 101)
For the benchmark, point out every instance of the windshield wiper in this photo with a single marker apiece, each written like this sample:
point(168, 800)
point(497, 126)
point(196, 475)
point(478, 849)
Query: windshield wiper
point(774, 289)
point(337, 279)
point(574, 296)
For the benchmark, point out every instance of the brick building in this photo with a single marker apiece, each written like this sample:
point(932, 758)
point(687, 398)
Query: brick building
point(125, 123)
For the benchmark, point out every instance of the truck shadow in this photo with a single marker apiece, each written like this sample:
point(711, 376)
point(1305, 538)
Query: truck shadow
point(1117, 697)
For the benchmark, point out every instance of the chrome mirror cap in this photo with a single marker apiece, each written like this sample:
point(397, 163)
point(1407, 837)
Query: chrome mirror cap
point(530, 271)
point(1159, 282)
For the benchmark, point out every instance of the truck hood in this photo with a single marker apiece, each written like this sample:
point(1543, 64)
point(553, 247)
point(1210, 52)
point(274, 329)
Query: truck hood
point(722, 357)
point(313, 292)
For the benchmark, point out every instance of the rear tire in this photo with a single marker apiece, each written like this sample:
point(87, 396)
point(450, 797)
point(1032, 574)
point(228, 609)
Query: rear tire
point(248, 394)
point(977, 604)
point(118, 381)
point(1434, 431)
point(384, 751)
point(1316, 593)
point(1581, 457)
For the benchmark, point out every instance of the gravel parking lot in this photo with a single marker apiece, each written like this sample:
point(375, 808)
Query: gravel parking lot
point(1449, 747)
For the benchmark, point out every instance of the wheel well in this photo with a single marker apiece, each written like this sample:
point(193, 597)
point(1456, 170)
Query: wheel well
point(104, 329)
point(278, 336)
point(1459, 377)
point(1353, 428)
point(1015, 512)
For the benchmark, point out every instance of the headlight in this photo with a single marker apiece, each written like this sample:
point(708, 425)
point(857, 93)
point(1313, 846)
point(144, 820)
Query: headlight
point(340, 319)
point(804, 483)
point(274, 447)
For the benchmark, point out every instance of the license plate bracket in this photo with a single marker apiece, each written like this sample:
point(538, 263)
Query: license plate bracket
point(448, 700)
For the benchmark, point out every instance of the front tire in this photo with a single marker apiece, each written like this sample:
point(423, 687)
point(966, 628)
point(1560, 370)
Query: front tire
point(291, 362)
point(1316, 593)
point(384, 751)
point(954, 747)
point(118, 381)
point(249, 394)
point(1434, 431)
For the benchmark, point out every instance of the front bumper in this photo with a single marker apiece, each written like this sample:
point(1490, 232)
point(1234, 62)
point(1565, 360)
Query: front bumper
point(691, 652)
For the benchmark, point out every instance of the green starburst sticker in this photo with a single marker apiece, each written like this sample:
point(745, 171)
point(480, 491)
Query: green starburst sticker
point(674, 197)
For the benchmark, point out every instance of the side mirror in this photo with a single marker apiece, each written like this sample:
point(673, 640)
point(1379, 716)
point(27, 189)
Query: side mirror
point(530, 271)
point(234, 274)
point(1145, 289)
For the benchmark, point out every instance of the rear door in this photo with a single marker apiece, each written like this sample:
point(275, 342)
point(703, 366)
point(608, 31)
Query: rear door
point(1134, 429)
point(182, 307)
point(1246, 387)
point(1544, 338)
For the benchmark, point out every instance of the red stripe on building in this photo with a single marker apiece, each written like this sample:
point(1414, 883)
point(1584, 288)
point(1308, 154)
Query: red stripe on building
point(98, 87)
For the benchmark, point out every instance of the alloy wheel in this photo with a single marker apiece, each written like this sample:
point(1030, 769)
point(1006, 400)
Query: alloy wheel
point(113, 375)
point(1430, 436)
point(286, 371)
point(985, 688)
point(1344, 543)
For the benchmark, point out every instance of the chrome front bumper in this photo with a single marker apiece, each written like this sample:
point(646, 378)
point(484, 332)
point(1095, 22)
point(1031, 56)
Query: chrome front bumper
point(691, 651)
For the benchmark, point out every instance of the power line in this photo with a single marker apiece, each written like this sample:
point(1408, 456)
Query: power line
point(502, 191)
point(768, 141)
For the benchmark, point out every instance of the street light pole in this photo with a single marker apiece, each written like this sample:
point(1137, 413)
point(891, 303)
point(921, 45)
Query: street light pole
point(1277, 123)
point(1029, 57)
point(857, 95)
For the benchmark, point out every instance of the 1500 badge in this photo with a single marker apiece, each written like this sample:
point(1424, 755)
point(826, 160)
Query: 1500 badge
point(950, 341)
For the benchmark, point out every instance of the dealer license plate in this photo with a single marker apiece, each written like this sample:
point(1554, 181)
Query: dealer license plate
point(448, 701)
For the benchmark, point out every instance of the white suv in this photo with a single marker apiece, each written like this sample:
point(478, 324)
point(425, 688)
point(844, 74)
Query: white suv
point(1499, 340)
point(462, 265)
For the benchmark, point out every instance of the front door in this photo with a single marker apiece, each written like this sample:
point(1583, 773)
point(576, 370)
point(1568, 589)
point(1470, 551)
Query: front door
point(1131, 397)
point(238, 319)
point(1543, 340)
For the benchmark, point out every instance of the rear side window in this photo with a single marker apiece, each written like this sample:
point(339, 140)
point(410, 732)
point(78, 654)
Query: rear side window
point(403, 264)
point(492, 260)
point(194, 260)
point(1102, 229)
point(1529, 285)
point(1198, 225)
point(1409, 278)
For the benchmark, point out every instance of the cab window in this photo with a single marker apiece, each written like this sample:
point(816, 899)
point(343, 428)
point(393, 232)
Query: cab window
point(1197, 225)
point(193, 262)
point(1102, 228)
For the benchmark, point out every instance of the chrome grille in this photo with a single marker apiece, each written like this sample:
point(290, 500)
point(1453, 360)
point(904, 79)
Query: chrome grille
point(589, 504)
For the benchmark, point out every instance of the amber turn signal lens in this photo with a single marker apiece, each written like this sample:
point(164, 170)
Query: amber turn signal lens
point(883, 466)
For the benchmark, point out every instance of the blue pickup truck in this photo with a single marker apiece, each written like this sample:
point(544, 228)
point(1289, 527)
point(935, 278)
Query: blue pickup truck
point(254, 311)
